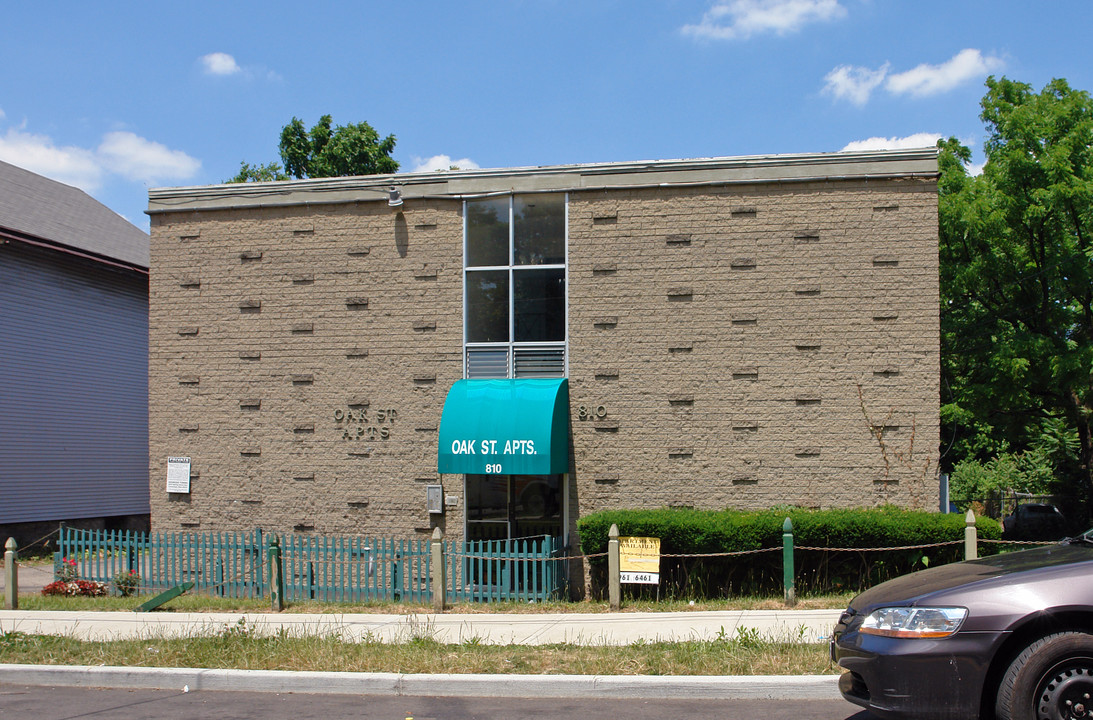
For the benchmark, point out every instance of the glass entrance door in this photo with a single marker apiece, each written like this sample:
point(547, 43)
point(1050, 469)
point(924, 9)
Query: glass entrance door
point(506, 507)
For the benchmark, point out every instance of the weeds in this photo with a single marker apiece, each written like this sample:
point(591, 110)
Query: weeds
point(240, 647)
point(205, 603)
point(748, 638)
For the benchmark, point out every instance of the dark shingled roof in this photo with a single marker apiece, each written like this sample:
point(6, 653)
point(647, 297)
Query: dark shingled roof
point(63, 215)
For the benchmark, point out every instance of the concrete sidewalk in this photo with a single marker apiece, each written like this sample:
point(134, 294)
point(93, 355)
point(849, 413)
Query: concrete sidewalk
point(33, 576)
point(615, 629)
point(500, 628)
point(494, 628)
point(531, 629)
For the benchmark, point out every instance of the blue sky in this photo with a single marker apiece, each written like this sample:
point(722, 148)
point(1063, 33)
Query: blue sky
point(119, 97)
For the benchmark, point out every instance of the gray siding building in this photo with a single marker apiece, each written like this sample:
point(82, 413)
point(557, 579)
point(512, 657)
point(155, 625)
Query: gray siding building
point(74, 353)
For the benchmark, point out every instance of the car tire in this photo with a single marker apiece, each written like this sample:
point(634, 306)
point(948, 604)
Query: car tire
point(1051, 679)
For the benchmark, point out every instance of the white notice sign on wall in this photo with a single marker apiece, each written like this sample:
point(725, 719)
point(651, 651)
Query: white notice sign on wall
point(178, 475)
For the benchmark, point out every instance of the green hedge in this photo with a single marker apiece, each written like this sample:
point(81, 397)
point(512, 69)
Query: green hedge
point(695, 532)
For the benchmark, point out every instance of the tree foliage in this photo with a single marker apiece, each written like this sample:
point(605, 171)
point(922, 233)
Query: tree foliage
point(1017, 283)
point(325, 151)
point(259, 173)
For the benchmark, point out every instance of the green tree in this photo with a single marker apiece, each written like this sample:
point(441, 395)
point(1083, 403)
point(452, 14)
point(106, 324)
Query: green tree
point(1027, 472)
point(326, 151)
point(259, 173)
point(1017, 283)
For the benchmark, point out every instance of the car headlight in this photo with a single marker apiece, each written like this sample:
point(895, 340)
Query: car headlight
point(914, 622)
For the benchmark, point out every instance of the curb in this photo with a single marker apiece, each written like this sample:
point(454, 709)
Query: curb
point(736, 687)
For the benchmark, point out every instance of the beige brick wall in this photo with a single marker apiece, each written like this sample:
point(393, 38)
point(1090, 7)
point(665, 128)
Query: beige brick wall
point(267, 326)
point(727, 335)
point(728, 346)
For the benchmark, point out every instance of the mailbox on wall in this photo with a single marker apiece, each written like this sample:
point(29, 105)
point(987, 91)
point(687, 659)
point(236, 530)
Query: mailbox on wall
point(434, 499)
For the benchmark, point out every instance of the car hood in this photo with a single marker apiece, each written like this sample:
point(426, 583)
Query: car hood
point(910, 589)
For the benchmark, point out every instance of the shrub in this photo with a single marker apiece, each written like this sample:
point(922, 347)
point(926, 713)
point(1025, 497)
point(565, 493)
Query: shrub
point(72, 588)
point(68, 571)
point(127, 582)
point(1030, 471)
point(690, 534)
point(70, 583)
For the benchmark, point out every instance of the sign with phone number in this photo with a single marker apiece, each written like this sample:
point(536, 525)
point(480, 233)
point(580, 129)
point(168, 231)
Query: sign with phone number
point(639, 560)
point(639, 578)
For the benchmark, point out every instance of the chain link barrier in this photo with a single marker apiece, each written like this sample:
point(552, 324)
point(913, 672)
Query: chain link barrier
point(1020, 542)
point(467, 556)
point(720, 554)
point(880, 549)
point(45, 537)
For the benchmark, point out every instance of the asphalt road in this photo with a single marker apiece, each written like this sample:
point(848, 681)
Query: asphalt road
point(69, 703)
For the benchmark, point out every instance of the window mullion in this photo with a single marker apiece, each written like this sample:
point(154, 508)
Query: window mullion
point(565, 256)
point(512, 289)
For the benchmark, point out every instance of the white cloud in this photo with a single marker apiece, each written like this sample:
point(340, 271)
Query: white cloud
point(219, 63)
point(926, 79)
point(855, 84)
point(224, 65)
point(38, 153)
point(918, 140)
point(740, 19)
point(442, 162)
point(120, 153)
point(136, 158)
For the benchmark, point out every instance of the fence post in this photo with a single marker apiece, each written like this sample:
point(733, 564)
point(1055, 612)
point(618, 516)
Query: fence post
point(971, 546)
point(787, 563)
point(440, 584)
point(276, 581)
point(396, 577)
point(11, 575)
point(614, 588)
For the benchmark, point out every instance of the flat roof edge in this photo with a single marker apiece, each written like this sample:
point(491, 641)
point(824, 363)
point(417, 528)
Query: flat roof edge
point(459, 184)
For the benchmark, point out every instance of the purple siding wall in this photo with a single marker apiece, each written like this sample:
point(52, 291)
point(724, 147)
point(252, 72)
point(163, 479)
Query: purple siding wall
point(74, 390)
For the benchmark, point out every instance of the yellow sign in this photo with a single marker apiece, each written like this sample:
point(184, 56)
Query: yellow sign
point(639, 560)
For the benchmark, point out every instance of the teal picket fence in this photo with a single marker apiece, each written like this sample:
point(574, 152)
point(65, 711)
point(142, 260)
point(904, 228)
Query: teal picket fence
point(226, 564)
point(522, 569)
point(324, 568)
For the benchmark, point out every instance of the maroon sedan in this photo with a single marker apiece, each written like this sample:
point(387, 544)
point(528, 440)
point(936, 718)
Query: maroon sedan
point(1009, 637)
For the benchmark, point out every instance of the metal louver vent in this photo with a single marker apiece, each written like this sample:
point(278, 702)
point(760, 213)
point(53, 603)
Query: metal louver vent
point(540, 362)
point(487, 363)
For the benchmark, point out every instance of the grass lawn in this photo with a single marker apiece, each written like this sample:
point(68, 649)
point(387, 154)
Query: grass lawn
point(239, 645)
point(204, 603)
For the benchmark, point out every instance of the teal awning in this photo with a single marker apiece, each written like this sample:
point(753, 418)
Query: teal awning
point(511, 427)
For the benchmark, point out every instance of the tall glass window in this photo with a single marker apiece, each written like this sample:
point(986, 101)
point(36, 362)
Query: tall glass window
point(515, 286)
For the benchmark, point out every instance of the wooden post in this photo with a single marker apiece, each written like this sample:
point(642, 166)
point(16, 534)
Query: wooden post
point(276, 577)
point(788, 574)
point(971, 537)
point(614, 588)
point(440, 584)
point(11, 575)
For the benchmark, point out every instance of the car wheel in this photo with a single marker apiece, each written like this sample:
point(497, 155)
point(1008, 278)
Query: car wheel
point(1052, 679)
